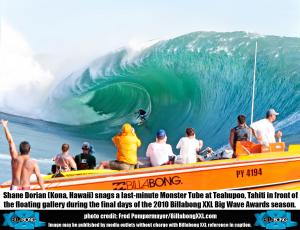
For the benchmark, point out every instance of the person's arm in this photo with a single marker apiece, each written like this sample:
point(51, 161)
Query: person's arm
point(115, 139)
point(138, 142)
point(253, 133)
point(93, 162)
point(72, 163)
point(200, 145)
point(148, 150)
point(258, 136)
point(55, 158)
point(278, 134)
point(178, 146)
point(39, 176)
point(231, 138)
point(12, 147)
point(256, 131)
point(77, 160)
point(170, 151)
point(171, 155)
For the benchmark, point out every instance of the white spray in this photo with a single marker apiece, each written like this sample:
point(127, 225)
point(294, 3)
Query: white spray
point(24, 84)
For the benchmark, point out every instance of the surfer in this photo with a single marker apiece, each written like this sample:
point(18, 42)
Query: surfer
point(22, 166)
point(141, 116)
point(264, 129)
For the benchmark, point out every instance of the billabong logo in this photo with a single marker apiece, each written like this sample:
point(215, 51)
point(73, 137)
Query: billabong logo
point(147, 183)
point(274, 220)
point(23, 220)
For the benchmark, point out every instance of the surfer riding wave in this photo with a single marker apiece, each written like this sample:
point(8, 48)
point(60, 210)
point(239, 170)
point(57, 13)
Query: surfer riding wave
point(141, 116)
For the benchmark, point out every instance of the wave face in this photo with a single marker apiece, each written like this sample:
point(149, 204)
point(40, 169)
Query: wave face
point(201, 80)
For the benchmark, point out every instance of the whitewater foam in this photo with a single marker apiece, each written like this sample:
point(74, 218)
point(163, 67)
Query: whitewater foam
point(24, 84)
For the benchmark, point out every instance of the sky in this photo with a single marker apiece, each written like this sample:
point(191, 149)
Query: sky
point(66, 33)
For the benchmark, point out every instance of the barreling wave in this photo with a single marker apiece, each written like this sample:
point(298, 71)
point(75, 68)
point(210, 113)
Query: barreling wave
point(201, 79)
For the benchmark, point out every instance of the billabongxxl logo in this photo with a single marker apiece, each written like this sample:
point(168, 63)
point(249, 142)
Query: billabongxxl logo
point(274, 219)
point(22, 219)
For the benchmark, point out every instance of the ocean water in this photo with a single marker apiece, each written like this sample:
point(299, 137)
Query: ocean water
point(201, 80)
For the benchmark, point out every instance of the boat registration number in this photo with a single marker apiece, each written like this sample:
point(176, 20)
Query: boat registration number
point(249, 172)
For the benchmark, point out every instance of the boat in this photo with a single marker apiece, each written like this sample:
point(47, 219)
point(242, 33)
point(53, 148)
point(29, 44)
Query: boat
point(271, 168)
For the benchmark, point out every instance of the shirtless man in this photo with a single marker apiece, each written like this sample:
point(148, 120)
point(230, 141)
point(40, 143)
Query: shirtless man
point(22, 166)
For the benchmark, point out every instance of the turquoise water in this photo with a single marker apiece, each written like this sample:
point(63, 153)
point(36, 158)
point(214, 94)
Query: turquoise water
point(201, 80)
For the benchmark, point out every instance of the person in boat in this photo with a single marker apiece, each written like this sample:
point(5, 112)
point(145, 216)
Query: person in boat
point(159, 151)
point(189, 146)
point(85, 160)
point(64, 161)
point(22, 166)
point(240, 133)
point(264, 129)
point(127, 144)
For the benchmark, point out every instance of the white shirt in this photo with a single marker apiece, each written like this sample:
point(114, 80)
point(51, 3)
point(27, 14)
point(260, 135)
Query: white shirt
point(265, 129)
point(159, 153)
point(188, 147)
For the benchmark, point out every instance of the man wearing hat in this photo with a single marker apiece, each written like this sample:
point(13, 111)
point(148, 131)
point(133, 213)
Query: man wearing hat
point(85, 160)
point(264, 129)
point(159, 151)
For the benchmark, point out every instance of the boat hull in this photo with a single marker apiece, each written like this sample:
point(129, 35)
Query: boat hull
point(256, 171)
